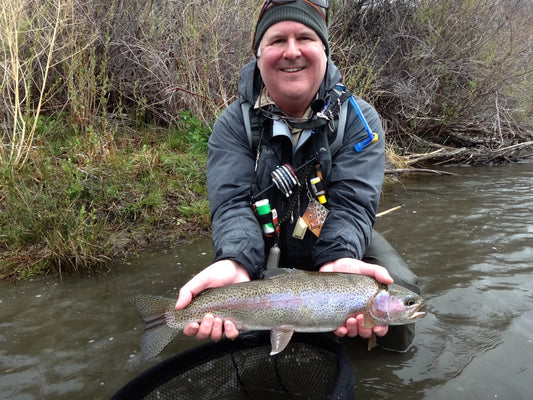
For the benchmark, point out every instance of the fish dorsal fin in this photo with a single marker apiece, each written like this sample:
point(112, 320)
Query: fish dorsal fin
point(270, 273)
point(279, 339)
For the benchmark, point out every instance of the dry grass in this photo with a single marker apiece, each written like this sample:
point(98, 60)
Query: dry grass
point(28, 50)
point(425, 65)
point(105, 105)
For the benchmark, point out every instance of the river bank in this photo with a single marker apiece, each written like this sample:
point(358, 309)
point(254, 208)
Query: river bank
point(99, 157)
point(86, 201)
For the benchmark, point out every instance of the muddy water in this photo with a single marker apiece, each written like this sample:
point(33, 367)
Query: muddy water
point(469, 237)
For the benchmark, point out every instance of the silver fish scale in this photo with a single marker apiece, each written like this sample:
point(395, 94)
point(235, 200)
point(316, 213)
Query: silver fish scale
point(298, 300)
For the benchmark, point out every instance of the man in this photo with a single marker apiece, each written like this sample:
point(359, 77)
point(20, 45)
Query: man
point(290, 87)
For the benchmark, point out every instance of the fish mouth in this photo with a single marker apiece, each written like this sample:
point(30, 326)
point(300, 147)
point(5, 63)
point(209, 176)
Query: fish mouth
point(416, 312)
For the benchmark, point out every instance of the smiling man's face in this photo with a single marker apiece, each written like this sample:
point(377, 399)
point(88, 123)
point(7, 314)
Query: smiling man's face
point(292, 61)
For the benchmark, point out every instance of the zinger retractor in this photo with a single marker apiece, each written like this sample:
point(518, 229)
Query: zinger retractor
point(285, 179)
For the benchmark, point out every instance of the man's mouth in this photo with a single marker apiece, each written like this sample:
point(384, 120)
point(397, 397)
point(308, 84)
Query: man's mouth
point(291, 69)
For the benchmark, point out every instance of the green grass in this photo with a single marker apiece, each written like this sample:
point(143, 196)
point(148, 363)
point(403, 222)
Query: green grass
point(97, 152)
point(64, 210)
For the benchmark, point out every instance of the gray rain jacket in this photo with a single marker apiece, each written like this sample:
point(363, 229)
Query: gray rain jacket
point(353, 182)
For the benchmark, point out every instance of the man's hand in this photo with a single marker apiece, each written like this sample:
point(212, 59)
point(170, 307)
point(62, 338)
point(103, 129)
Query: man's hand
point(220, 273)
point(355, 325)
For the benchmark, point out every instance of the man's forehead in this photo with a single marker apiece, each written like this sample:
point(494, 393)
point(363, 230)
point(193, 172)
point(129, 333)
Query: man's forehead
point(284, 27)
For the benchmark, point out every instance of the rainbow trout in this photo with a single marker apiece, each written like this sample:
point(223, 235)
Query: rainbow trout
point(295, 301)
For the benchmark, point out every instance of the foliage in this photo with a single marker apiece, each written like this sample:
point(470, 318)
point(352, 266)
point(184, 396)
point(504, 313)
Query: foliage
point(28, 48)
point(76, 205)
point(429, 66)
point(452, 72)
point(106, 105)
point(178, 56)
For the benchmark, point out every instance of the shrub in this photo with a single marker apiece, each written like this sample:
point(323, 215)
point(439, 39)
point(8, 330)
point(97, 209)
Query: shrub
point(451, 70)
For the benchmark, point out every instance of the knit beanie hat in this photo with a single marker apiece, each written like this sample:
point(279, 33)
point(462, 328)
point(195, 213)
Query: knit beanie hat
point(299, 11)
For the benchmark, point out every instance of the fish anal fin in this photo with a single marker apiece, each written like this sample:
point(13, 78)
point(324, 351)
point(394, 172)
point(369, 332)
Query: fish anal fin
point(372, 342)
point(279, 339)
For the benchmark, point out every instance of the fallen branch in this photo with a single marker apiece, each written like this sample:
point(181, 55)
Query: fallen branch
point(382, 213)
point(417, 170)
point(467, 155)
point(517, 146)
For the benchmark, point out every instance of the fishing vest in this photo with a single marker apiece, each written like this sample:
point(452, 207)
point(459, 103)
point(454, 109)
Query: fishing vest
point(330, 118)
point(334, 115)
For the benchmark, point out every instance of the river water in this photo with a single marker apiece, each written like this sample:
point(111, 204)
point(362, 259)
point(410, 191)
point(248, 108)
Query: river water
point(469, 237)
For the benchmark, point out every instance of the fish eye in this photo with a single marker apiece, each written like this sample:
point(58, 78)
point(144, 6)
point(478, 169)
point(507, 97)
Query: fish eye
point(409, 300)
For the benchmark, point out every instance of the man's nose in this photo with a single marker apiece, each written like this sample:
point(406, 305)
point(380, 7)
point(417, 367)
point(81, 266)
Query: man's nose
point(292, 49)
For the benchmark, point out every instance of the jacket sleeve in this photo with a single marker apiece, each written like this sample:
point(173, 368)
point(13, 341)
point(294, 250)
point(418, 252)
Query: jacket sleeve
point(230, 171)
point(354, 188)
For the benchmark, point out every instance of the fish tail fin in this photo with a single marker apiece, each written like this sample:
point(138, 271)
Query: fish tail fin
point(161, 327)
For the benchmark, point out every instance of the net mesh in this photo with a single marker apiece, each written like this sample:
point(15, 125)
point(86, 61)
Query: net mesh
point(310, 367)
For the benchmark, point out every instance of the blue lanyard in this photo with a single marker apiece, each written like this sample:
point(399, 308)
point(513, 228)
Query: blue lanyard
point(372, 136)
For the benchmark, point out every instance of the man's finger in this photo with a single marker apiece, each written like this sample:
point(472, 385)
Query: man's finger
point(191, 329)
point(205, 327)
point(184, 298)
point(230, 330)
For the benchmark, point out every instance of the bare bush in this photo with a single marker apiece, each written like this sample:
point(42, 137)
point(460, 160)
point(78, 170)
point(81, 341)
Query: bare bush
point(181, 55)
point(452, 72)
point(362, 33)
point(29, 32)
point(126, 60)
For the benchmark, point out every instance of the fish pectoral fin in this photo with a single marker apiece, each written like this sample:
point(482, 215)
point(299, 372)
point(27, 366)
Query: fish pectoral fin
point(369, 322)
point(279, 339)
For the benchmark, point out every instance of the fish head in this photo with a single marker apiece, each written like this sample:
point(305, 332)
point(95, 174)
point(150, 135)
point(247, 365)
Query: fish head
point(396, 305)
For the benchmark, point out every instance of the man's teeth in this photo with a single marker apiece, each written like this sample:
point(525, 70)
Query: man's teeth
point(292, 69)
